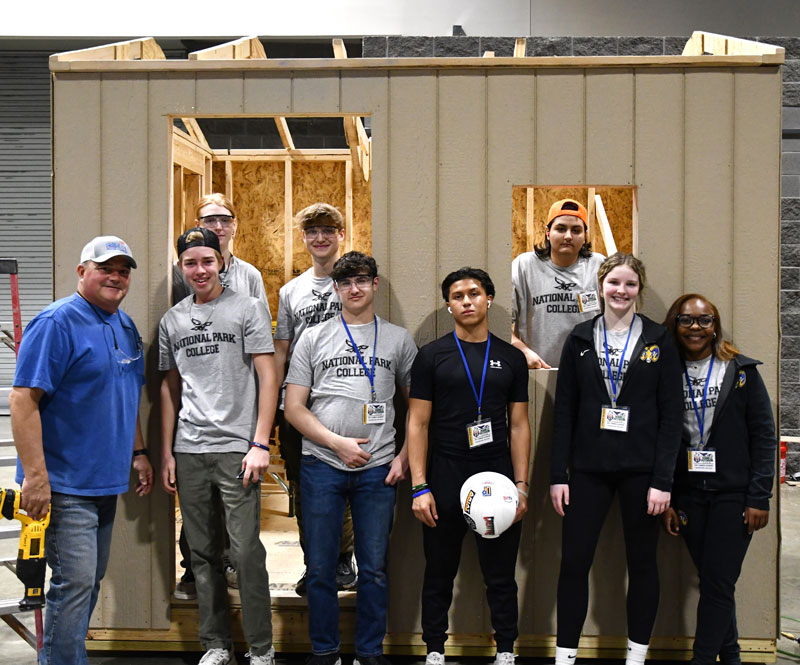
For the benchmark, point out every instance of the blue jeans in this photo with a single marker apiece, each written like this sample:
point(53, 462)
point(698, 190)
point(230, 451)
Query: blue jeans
point(77, 544)
point(325, 490)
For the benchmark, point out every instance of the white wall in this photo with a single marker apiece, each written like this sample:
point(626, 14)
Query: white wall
point(275, 18)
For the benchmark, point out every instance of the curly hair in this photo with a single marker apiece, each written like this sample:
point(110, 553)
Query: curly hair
point(354, 263)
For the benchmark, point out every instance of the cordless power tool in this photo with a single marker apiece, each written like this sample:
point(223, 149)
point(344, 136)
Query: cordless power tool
point(30, 557)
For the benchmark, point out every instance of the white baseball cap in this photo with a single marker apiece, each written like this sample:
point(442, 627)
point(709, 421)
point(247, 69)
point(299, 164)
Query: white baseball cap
point(103, 248)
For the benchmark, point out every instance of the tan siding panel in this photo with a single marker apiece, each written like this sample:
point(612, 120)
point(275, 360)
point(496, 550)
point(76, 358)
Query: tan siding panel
point(560, 128)
point(463, 237)
point(220, 93)
point(368, 93)
point(708, 266)
point(756, 242)
point(412, 204)
point(462, 174)
point(410, 148)
point(166, 95)
point(77, 173)
point(609, 127)
point(267, 93)
point(659, 175)
point(124, 211)
point(316, 92)
point(511, 104)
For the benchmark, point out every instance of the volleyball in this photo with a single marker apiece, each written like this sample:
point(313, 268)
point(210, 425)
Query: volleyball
point(489, 503)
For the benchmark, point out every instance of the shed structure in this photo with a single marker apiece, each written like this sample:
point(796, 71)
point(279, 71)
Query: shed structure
point(697, 135)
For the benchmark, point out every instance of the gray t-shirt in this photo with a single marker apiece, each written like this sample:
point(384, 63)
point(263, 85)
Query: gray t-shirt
point(545, 306)
point(240, 276)
point(325, 361)
point(212, 346)
point(303, 303)
point(698, 372)
point(616, 346)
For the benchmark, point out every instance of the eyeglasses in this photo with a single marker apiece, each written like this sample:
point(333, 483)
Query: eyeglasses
point(361, 282)
point(325, 231)
point(687, 321)
point(210, 221)
point(119, 355)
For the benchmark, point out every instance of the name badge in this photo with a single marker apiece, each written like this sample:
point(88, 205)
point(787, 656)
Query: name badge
point(588, 301)
point(615, 418)
point(479, 433)
point(702, 461)
point(374, 413)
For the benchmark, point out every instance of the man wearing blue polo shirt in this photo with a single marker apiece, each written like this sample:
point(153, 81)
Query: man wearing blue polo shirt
point(74, 416)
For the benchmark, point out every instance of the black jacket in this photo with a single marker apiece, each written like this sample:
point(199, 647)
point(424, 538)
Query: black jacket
point(652, 391)
point(743, 434)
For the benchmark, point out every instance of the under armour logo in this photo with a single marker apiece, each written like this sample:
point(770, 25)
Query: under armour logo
point(321, 296)
point(496, 364)
point(352, 349)
point(564, 286)
point(200, 325)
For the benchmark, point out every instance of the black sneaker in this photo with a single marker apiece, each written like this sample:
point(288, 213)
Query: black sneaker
point(300, 589)
point(371, 660)
point(346, 577)
point(327, 659)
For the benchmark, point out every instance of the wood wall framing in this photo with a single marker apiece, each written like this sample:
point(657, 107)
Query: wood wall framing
point(698, 136)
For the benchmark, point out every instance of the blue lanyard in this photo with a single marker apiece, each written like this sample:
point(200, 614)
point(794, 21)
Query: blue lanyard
point(701, 420)
point(621, 360)
point(478, 398)
point(370, 374)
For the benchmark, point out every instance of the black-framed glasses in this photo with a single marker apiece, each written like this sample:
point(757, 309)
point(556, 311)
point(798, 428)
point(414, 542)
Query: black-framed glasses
point(687, 321)
point(361, 282)
point(210, 221)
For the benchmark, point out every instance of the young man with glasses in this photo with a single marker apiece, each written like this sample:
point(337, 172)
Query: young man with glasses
point(74, 416)
point(215, 349)
point(339, 392)
point(304, 302)
point(216, 213)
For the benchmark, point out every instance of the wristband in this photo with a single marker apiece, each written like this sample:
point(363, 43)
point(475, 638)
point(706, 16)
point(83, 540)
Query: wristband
point(421, 492)
point(523, 492)
point(141, 451)
point(256, 444)
point(517, 482)
point(421, 486)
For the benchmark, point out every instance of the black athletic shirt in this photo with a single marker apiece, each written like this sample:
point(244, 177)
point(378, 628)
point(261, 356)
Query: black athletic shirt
point(438, 375)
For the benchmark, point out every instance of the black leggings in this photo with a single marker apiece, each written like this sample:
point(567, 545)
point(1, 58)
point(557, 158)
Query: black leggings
point(712, 524)
point(590, 496)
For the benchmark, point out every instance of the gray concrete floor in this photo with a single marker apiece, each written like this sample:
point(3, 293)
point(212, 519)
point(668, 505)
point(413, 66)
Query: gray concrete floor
point(14, 651)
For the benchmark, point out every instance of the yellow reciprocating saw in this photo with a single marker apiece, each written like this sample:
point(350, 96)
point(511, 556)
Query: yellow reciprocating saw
point(30, 557)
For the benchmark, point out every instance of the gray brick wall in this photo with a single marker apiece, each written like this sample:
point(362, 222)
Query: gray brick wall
point(398, 47)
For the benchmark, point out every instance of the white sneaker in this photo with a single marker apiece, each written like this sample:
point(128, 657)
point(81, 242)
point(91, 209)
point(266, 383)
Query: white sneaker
point(265, 659)
point(504, 658)
point(218, 657)
point(434, 658)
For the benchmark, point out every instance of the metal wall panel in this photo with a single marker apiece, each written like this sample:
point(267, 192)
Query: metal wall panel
point(25, 217)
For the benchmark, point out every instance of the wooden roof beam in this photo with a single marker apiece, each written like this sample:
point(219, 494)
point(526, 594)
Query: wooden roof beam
point(193, 128)
point(357, 139)
point(283, 130)
point(245, 48)
point(145, 48)
point(519, 47)
point(702, 42)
